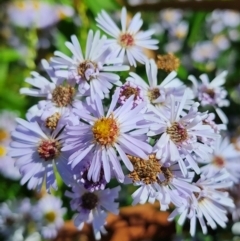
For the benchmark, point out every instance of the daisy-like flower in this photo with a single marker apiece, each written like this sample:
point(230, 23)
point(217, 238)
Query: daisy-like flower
point(119, 131)
point(154, 93)
point(37, 151)
point(7, 164)
point(158, 181)
point(91, 207)
point(224, 156)
point(48, 213)
point(129, 39)
point(59, 95)
point(36, 14)
point(89, 71)
point(179, 135)
point(14, 218)
point(212, 93)
point(7, 125)
point(210, 204)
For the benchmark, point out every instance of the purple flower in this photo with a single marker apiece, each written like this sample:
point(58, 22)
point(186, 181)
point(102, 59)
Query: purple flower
point(92, 207)
point(48, 213)
point(129, 40)
point(212, 93)
point(119, 131)
point(89, 71)
point(158, 181)
point(37, 151)
point(224, 156)
point(179, 135)
point(210, 203)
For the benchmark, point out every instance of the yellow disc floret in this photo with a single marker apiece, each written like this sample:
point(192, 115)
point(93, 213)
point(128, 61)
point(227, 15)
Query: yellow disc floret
point(105, 130)
point(50, 216)
point(3, 135)
point(3, 151)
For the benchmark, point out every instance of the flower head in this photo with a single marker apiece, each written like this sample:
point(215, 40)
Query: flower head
point(37, 151)
point(48, 213)
point(89, 71)
point(212, 93)
point(155, 93)
point(91, 207)
point(129, 39)
point(224, 156)
point(119, 131)
point(178, 136)
point(209, 204)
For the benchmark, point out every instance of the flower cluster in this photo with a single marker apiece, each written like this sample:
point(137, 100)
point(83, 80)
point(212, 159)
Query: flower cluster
point(45, 217)
point(91, 126)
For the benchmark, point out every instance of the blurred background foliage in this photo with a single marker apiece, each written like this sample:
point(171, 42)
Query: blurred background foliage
point(182, 32)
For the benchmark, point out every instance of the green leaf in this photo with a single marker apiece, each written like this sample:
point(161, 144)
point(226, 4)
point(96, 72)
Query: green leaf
point(3, 74)
point(60, 43)
point(97, 6)
point(9, 55)
point(195, 27)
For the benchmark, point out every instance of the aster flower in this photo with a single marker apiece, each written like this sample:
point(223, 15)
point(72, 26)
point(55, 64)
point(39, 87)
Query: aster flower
point(212, 93)
point(119, 131)
point(128, 40)
point(38, 14)
point(204, 52)
point(224, 156)
point(59, 95)
point(158, 181)
point(91, 207)
point(14, 218)
point(7, 125)
point(48, 213)
point(7, 164)
point(154, 93)
point(210, 204)
point(37, 151)
point(179, 135)
point(89, 71)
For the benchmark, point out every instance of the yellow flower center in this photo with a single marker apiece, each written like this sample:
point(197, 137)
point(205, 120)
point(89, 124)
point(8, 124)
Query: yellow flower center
point(3, 151)
point(20, 5)
point(105, 130)
point(177, 133)
point(126, 40)
point(50, 216)
point(3, 135)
